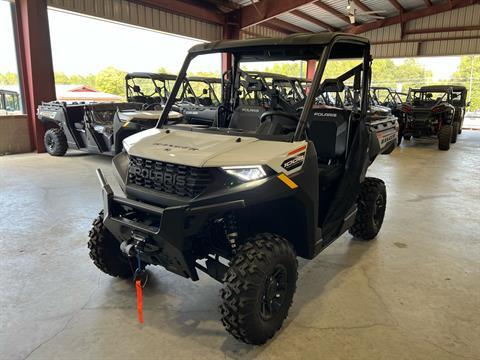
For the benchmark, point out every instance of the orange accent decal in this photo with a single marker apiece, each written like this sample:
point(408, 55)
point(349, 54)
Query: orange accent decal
point(287, 181)
point(138, 286)
point(297, 150)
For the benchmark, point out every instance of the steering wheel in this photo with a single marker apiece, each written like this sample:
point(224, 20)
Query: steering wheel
point(153, 106)
point(284, 114)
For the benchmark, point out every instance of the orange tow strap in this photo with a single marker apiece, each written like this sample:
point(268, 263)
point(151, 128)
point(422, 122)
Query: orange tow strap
point(138, 285)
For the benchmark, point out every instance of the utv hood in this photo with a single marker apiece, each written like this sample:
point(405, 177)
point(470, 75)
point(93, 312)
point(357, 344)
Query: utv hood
point(182, 146)
point(202, 149)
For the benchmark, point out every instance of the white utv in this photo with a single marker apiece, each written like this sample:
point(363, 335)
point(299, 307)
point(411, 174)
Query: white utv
point(241, 199)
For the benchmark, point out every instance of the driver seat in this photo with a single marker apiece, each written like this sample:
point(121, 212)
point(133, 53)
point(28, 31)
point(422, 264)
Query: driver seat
point(246, 117)
point(328, 130)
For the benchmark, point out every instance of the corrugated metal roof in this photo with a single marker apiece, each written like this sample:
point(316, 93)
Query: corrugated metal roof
point(323, 15)
point(298, 21)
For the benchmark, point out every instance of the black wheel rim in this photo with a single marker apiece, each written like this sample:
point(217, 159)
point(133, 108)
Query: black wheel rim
point(274, 293)
point(50, 142)
point(378, 210)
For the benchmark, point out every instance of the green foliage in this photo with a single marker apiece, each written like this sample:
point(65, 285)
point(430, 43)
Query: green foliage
point(384, 73)
point(111, 80)
point(162, 70)
point(294, 69)
point(8, 78)
point(469, 73)
point(410, 74)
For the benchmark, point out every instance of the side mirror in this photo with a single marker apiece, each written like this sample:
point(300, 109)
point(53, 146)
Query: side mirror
point(136, 88)
point(205, 91)
point(468, 103)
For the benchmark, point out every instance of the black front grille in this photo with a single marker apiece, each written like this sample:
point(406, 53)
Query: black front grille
point(180, 180)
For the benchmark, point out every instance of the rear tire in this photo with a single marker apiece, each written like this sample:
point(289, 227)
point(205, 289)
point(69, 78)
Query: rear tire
point(371, 204)
point(444, 137)
point(105, 251)
point(55, 142)
point(456, 126)
point(258, 288)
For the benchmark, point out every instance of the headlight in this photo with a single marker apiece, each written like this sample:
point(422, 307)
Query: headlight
point(246, 173)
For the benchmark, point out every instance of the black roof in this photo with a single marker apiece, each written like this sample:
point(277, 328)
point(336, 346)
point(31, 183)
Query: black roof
point(8, 91)
point(323, 38)
point(204, 79)
point(275, 76)
point(153, 76)
point(444, 87)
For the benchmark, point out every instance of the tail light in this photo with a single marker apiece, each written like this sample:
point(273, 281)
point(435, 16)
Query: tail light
point(438, 109)
point(407, 108)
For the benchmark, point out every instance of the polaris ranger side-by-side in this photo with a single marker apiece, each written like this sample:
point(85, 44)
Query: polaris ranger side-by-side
point(430, 113)
point(241, 202)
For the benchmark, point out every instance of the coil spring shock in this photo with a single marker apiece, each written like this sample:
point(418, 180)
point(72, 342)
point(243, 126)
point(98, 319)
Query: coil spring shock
point(231, 230)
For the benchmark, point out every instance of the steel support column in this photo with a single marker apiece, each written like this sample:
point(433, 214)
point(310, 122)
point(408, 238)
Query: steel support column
point(35, 58)
point(311, 66)
point(231, 31)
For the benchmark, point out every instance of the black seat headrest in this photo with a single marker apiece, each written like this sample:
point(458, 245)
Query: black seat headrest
point(246, 117)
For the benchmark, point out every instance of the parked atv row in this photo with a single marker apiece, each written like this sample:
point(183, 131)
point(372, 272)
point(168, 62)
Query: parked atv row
point(101, 127)
point(434, 111)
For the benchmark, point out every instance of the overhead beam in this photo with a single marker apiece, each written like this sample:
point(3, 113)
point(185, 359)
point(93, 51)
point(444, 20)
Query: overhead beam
point(477, 37)
point(187, 8)
point(288, 26)
point(441, 30)
point(313, 20)
point(332, 11)
point(265, 10)
point(410, 15)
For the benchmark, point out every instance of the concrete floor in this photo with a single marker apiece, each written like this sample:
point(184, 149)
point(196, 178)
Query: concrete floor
point(414, 293)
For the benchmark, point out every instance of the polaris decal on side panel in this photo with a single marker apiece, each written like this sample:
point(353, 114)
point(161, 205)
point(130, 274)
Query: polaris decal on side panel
point(293, 162)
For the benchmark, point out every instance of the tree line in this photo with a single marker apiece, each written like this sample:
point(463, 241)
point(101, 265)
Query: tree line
point(385, 72)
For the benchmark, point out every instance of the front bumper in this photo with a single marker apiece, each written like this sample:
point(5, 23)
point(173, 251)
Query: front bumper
point(164, 232)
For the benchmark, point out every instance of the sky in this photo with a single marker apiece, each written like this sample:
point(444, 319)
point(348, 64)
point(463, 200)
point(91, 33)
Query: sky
point(82, 45)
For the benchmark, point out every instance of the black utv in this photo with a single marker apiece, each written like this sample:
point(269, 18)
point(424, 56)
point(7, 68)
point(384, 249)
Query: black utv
point(459, 100)
point(199, 99)
point(241, 202)
point(150, 89)
point(97, 128)
point(430, 113)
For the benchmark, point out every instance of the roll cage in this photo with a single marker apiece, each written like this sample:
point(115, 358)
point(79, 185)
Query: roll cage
point(319, 47)
point(158, 90)
point(392, 97)
point(422, 96)
point(200, 90)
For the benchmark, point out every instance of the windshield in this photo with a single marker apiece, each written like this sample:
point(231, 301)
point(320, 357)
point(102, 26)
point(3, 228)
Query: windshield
point(426, 97)
point(148, 88)
point(202, 92)
point(255, 101)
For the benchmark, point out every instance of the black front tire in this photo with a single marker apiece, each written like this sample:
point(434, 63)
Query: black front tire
point(55, 142)
point(456, 126)
point(371, 204)
point(258, 288)
point(444, 137)
point(105, 251)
